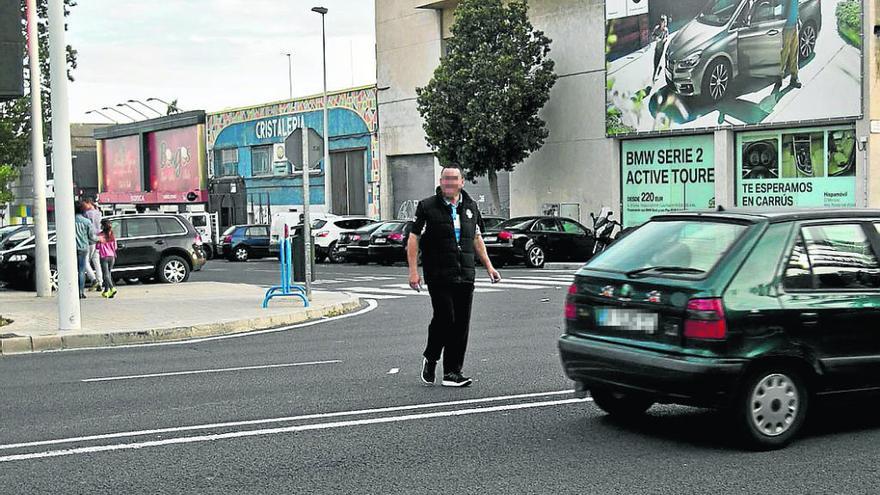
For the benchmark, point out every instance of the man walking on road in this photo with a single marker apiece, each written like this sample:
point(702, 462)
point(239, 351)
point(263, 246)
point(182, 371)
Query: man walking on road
point(790, 46)
point(447, 229)
point(93, 260)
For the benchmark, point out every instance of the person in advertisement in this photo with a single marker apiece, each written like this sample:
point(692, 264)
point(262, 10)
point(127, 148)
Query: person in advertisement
point(660, 35)
point(790, 45)
point(447, 229)
point(93, 260)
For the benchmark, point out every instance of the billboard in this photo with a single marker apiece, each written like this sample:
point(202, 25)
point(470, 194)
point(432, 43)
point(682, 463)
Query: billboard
point(120, 169)
point(666, 174)
point(811, 167)
point(177, 164)
point(698, 64)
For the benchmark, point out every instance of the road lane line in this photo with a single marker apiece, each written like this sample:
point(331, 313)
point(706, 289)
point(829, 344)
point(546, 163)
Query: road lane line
point(287, 429)
point(371, 305)
point(202, 372)
point(305, 417)
point(383, 290)
point(373, 296)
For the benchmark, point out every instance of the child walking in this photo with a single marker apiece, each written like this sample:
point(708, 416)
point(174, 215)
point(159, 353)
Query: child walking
point(107, 252)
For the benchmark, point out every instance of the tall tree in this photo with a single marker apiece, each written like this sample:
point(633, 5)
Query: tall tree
point(15, 115)
point(480, 109)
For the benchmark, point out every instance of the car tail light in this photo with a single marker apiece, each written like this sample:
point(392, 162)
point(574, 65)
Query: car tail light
point(396, 237)
point(505, 236)
point(570, 307)
point(355, 238)
point(227, 239)
point(198, 240)
point(705, 320)
point(322, 233)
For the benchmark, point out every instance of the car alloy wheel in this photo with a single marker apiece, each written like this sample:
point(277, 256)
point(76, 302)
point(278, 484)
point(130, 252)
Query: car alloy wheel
point(536, 257)
point(719, 80)
point(241, 254)
point(775, 404)
point(807, 41)
point(53, 278)
point(333, 254)
point(174, 271)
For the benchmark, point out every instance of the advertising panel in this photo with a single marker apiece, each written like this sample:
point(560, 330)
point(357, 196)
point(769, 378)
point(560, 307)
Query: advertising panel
point(814, 167)
point(177, 164)
point(666, 174)
point(698, 64)
point(121, 170)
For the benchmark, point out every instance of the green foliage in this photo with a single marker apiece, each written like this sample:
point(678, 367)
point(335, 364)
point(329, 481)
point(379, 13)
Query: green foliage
point(849, 21)
point(480, 109)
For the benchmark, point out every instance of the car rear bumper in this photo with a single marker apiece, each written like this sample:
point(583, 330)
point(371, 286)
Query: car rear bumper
point(389, 252)
point(503, 251)
point(689, 380)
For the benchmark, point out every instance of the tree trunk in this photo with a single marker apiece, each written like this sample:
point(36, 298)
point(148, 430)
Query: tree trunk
point(493, 189)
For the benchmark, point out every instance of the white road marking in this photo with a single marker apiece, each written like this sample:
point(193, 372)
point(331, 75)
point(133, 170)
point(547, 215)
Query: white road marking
point(232, 424)
point(382, 290)
point(371, 305)
point(202, 372)
point(545, 283)
point(288, 429)
point(394, 371)
point(505, 285)
point(373, 296)
point(406, 286)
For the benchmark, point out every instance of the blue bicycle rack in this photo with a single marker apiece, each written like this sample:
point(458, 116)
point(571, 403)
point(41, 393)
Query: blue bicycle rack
point(286, 289)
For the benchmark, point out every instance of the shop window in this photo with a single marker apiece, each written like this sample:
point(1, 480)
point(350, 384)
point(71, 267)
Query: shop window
point(261, 161)
point(226, 162)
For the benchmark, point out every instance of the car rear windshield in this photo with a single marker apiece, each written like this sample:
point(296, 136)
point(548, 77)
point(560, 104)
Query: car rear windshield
point(681, 247)
point(515, 224)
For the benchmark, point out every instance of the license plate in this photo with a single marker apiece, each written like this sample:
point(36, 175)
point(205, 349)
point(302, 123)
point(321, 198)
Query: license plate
point(490, 238)
point(381, 240)
point(627, 319)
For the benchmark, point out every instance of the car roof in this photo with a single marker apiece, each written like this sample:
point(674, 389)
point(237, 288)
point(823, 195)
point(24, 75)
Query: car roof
point(755, 215)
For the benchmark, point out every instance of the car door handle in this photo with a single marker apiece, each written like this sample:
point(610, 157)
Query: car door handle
point(160, 242)
point(773, 32)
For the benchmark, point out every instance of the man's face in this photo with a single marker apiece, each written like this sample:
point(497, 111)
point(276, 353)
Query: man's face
point(451, 182)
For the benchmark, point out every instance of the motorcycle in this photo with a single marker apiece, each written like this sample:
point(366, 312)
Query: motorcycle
point(605, 230)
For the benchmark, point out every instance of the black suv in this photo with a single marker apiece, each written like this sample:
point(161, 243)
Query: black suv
point(756, 313)
point(161, 246)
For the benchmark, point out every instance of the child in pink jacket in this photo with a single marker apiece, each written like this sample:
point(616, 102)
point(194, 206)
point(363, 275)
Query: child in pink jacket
point(107, 251)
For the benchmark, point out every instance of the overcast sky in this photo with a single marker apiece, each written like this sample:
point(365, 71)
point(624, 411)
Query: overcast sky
point(214, 54)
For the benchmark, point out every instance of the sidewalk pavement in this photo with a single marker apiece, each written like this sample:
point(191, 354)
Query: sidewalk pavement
point(155, 313)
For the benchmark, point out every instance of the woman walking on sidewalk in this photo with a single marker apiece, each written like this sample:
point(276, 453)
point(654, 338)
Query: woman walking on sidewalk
point(107, 252)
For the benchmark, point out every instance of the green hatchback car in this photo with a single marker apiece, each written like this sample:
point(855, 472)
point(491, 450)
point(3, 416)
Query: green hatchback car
point(756, 313)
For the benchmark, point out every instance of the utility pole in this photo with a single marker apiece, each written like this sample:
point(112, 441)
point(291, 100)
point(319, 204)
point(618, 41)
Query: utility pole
point(65, 245)
point(307, 224)
point(328, 186)
point(38, 159)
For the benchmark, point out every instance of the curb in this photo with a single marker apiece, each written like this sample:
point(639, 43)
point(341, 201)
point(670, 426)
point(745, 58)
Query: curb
point(564, 266)
point(14, 344)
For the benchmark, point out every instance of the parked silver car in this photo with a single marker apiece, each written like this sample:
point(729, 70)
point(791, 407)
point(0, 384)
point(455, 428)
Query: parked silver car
point(734, 38)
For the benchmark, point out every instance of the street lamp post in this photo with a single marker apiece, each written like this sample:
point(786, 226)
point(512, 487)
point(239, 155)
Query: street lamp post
point(102, 114)
point(290, 72)
point(328, 189)
point(142, 114)
point(117, 111)
point(139, 102)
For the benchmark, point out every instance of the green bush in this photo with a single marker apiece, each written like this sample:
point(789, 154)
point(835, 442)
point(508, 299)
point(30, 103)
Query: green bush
point(849, 21)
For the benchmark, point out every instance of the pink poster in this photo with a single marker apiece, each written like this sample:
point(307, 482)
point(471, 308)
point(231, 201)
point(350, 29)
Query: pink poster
point(121, 165)
point(175, 162)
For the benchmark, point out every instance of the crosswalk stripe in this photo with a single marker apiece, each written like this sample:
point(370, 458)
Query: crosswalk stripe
point(374, 296)
point(544, 279)
point(382, 290)
point(504, 285)
point(406, 286)
point(548, 283)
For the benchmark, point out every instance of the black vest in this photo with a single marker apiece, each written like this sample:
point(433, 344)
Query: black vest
point(443, 260)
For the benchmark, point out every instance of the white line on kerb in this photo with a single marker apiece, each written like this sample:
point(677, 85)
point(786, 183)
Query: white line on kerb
point(200, 372)
point(288, 429)
point(252, 422)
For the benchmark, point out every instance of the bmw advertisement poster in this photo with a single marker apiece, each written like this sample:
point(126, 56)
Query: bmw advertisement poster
point(811, 167)
point(698, 64)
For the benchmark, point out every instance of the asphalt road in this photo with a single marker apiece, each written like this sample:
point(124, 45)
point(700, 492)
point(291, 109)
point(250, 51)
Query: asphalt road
point(337, 407)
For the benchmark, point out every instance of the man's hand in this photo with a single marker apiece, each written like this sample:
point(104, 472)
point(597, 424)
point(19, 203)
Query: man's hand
point(493, 275)
point(415, 282)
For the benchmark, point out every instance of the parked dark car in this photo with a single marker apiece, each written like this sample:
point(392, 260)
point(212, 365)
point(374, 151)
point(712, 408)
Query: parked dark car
point(354, 245)
point(757, 314)
point(161, 246)
point(490, 222)
point(536, 240)
point(11, 235)
point(388, 242)
point(243, 242)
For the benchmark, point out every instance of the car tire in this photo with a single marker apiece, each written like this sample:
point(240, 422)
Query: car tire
point(209, 251)
point(535, 256)
point(131, 280)
point(240, 253)
point(173, 270)
point(621, 405)
point(807, 41)
point(771, 407)
point(333, 255)
point(717, 80)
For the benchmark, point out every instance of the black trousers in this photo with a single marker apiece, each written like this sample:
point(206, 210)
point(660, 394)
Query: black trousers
point(448, 331)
